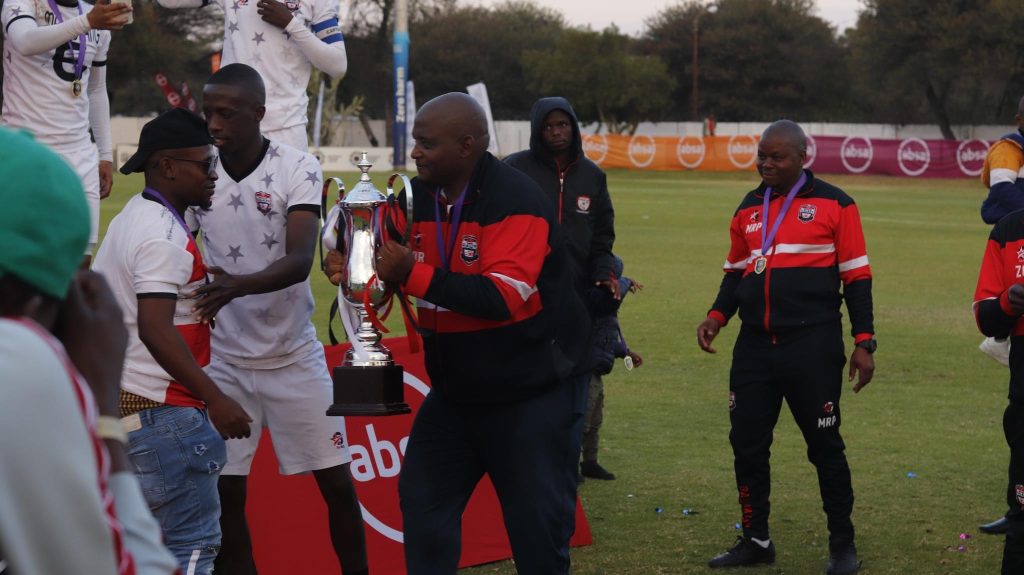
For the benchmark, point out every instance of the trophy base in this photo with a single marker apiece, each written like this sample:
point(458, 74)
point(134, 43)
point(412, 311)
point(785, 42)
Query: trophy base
point(368, 391)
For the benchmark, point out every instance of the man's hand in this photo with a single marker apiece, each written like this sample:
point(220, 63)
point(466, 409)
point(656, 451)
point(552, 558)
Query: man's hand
point(394, 262)
point(216, 294)
point(334, 266)
point(106, 178)
point(862, 364)
point(1016, 298)
point(637, 360)
point(274, 13)
point(612, 285)
point(635, 286)
point(91, 327)
point(107, 16)
point(707, 331)
point(231, 421)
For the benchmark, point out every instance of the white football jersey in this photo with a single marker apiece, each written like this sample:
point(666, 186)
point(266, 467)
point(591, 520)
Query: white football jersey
point(244, 232)
point(285, 70)
point(37, 89)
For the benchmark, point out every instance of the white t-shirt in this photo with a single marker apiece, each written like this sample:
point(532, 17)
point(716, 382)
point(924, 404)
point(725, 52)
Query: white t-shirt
point(243, 233)
point(265, 47)
point(37, 89)
point(148, 253)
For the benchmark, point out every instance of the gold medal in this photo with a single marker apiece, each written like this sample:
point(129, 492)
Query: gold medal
point(76, 88)
point(760, 264)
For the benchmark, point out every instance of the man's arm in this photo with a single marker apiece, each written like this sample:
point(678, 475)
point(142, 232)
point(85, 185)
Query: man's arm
point(602, 262)
point(855, 273)
point(997, 308)
point(162, 339)
point(726, 303)
point(28, 38)
point(301, 235)
point(323, 46)
point(99, 121)
point(1002, 168)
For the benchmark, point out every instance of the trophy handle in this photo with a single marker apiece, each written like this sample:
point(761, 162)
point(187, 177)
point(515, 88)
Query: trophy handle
point(408, 201)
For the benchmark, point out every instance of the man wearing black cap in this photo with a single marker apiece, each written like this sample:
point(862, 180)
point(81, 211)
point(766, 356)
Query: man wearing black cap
point(167, 402)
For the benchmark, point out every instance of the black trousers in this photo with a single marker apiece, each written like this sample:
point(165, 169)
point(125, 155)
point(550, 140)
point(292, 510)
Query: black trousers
point(1013, 551)
point(804, 367)
point(530, 449)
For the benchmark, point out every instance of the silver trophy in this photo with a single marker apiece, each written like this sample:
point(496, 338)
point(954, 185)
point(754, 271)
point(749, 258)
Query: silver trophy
point(368, 382)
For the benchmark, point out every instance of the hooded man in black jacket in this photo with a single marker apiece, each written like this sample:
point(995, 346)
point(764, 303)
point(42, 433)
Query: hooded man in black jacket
point(578, 189)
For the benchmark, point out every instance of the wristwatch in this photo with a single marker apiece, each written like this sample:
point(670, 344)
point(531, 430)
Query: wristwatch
point(870, 345)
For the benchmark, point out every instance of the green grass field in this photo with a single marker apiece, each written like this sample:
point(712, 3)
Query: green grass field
point(934, 408)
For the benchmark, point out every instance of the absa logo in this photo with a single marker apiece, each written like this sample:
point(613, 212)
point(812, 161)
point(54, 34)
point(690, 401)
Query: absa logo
point(690, 151)
point(970, 156)
point(595, 147)
point(742, 151)
point(377, 445)
point(856, 153)
point(913, 156)
point(642, 150)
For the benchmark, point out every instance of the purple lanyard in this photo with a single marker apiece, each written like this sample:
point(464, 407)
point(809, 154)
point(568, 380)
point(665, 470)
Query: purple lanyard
point(767, 238)
point(453, 225)
point(169, 207)
point(82, 40)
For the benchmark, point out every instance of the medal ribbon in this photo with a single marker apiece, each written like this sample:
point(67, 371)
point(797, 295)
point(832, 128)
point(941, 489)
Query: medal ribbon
point(170, 208)
point(768, 238)
point(453, 227)
point(82, 40)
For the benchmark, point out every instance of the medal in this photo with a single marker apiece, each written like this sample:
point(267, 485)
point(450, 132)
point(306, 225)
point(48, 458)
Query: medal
point(768, 237)
point(76, 88)
point(759, 265)
point(76, 84)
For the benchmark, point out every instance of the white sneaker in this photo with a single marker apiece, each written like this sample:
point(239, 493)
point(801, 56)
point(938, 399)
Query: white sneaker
point(997, 349)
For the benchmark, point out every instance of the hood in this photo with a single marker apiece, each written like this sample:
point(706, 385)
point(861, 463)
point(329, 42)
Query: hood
point(541, 109)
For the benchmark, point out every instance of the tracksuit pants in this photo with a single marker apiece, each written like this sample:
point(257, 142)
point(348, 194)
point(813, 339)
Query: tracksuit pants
point(804, 367)
point(1013, 550)
point(528, 448)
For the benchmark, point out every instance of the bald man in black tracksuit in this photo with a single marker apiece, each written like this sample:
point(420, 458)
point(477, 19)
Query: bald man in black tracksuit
point(795, 241)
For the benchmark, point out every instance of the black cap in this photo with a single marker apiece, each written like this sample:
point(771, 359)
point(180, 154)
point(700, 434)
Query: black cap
point(171, 130)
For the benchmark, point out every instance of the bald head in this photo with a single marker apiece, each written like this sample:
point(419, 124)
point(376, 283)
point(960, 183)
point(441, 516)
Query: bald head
point(451, 135)
point(787, 131)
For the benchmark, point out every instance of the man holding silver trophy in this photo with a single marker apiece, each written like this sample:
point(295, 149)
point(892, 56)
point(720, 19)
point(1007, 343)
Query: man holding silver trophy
point(503, 333)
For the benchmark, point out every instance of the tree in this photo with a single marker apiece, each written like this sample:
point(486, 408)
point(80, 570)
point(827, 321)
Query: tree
point(947, 61)
point(605, 82)
point(759, 59)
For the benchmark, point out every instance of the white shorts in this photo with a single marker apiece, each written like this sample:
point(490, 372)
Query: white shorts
point(294, 136)
point(292, 402)
point(85, 161)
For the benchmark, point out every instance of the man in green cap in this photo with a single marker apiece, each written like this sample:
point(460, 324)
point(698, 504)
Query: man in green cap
point(72, 498)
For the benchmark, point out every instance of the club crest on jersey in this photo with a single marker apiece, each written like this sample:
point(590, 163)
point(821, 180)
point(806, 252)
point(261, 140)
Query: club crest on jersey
point(292, 5)
point(583, 204)
point(338, 440)
point(263, 203)
point(732, 401)
point(806, 213)
point(417, 241)
point(470, 252)
point(1020, 495)
point(828, 407)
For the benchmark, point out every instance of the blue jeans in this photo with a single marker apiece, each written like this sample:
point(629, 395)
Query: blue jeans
point(177, 456)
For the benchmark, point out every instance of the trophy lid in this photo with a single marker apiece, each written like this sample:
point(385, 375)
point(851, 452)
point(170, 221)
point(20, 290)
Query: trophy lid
point(364, 192)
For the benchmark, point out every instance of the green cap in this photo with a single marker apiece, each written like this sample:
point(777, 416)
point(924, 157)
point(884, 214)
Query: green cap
point(44, 218)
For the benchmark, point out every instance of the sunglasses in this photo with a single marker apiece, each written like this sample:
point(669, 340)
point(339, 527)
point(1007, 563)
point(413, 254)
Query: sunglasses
point(209, 165)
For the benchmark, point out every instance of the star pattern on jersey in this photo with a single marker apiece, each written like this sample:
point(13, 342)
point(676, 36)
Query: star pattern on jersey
point(232, 26)
point(288, 295)
point(236, 7)
point(200, 213)
point(268, 179)
point(273, 152)
point(235, 253)
point(264, 314)
point(270, 240)
point(236, 202)
point(258, 37)
point(312, 177)
point(270, 214)
point(287, 34)
point(257, 59)
point(16, 11)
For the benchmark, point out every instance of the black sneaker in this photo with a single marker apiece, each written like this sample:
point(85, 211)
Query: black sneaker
point(843, 561)
point(594, 470)
point(745, 552)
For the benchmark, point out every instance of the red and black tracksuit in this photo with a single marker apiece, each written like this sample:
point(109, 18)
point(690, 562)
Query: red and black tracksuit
point(503, 333)
point(790, 344)
point(1003, 266)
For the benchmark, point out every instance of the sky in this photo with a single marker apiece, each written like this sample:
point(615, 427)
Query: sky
point(629, 15)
